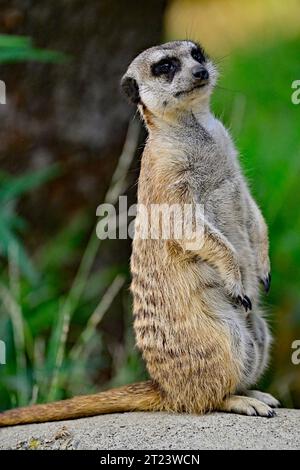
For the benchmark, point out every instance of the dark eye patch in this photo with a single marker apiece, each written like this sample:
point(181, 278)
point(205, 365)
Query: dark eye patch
point(167, 67)
point(198, 54)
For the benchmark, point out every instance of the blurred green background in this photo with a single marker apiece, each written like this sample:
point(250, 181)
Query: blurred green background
point(68, 142)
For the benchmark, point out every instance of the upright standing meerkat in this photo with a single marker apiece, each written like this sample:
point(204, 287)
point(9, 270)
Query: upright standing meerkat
point(197, 316)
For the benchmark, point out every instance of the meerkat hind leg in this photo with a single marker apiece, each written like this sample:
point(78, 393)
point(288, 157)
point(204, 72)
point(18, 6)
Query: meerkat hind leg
point(266, 398)
point(246, 406)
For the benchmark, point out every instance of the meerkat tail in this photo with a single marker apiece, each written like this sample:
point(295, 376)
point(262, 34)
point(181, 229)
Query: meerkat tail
point(142, 396)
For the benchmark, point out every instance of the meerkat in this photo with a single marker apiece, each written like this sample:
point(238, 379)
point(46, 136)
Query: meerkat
point(197, 315)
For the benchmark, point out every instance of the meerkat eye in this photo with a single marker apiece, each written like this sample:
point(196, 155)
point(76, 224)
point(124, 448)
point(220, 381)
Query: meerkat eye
point(166, 67)
point(198, 55)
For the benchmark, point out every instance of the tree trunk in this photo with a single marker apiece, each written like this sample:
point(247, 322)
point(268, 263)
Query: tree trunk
point(71, 113)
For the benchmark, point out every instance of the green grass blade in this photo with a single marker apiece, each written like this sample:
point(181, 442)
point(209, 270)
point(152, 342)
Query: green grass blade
point(96, 317)
point(13, 187)
point(11, 41)
point(15, 312)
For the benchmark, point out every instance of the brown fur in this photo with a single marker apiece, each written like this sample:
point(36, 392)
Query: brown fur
point(142, 396)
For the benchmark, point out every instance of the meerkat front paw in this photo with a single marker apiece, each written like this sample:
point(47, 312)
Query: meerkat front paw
point(264, 272)
point(266, 282)
point(236, 291)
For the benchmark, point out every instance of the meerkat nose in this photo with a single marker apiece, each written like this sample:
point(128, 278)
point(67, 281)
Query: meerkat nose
point(200, 72)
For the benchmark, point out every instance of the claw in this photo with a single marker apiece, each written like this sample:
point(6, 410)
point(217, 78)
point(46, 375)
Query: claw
point(249, 301)
point(246, 302)
point(267, 282)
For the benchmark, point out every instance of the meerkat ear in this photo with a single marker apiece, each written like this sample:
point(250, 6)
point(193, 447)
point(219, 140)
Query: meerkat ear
point(130, 88)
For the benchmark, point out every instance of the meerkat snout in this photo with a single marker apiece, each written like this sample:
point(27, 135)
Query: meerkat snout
point(200, 73)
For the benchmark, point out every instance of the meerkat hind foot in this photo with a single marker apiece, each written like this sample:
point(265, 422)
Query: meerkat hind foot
point(266, 398)
point(246, 406)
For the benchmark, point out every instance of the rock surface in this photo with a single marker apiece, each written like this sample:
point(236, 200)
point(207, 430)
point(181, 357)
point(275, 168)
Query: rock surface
point(159, 431)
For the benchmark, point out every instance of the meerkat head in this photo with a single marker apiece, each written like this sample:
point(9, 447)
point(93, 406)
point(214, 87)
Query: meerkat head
point(171, 78)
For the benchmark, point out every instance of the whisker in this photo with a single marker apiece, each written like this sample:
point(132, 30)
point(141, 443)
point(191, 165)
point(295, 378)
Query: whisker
point(218, 60)
point(227, 89)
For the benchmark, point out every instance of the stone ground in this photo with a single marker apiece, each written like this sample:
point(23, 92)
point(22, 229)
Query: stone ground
point(159, 431)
